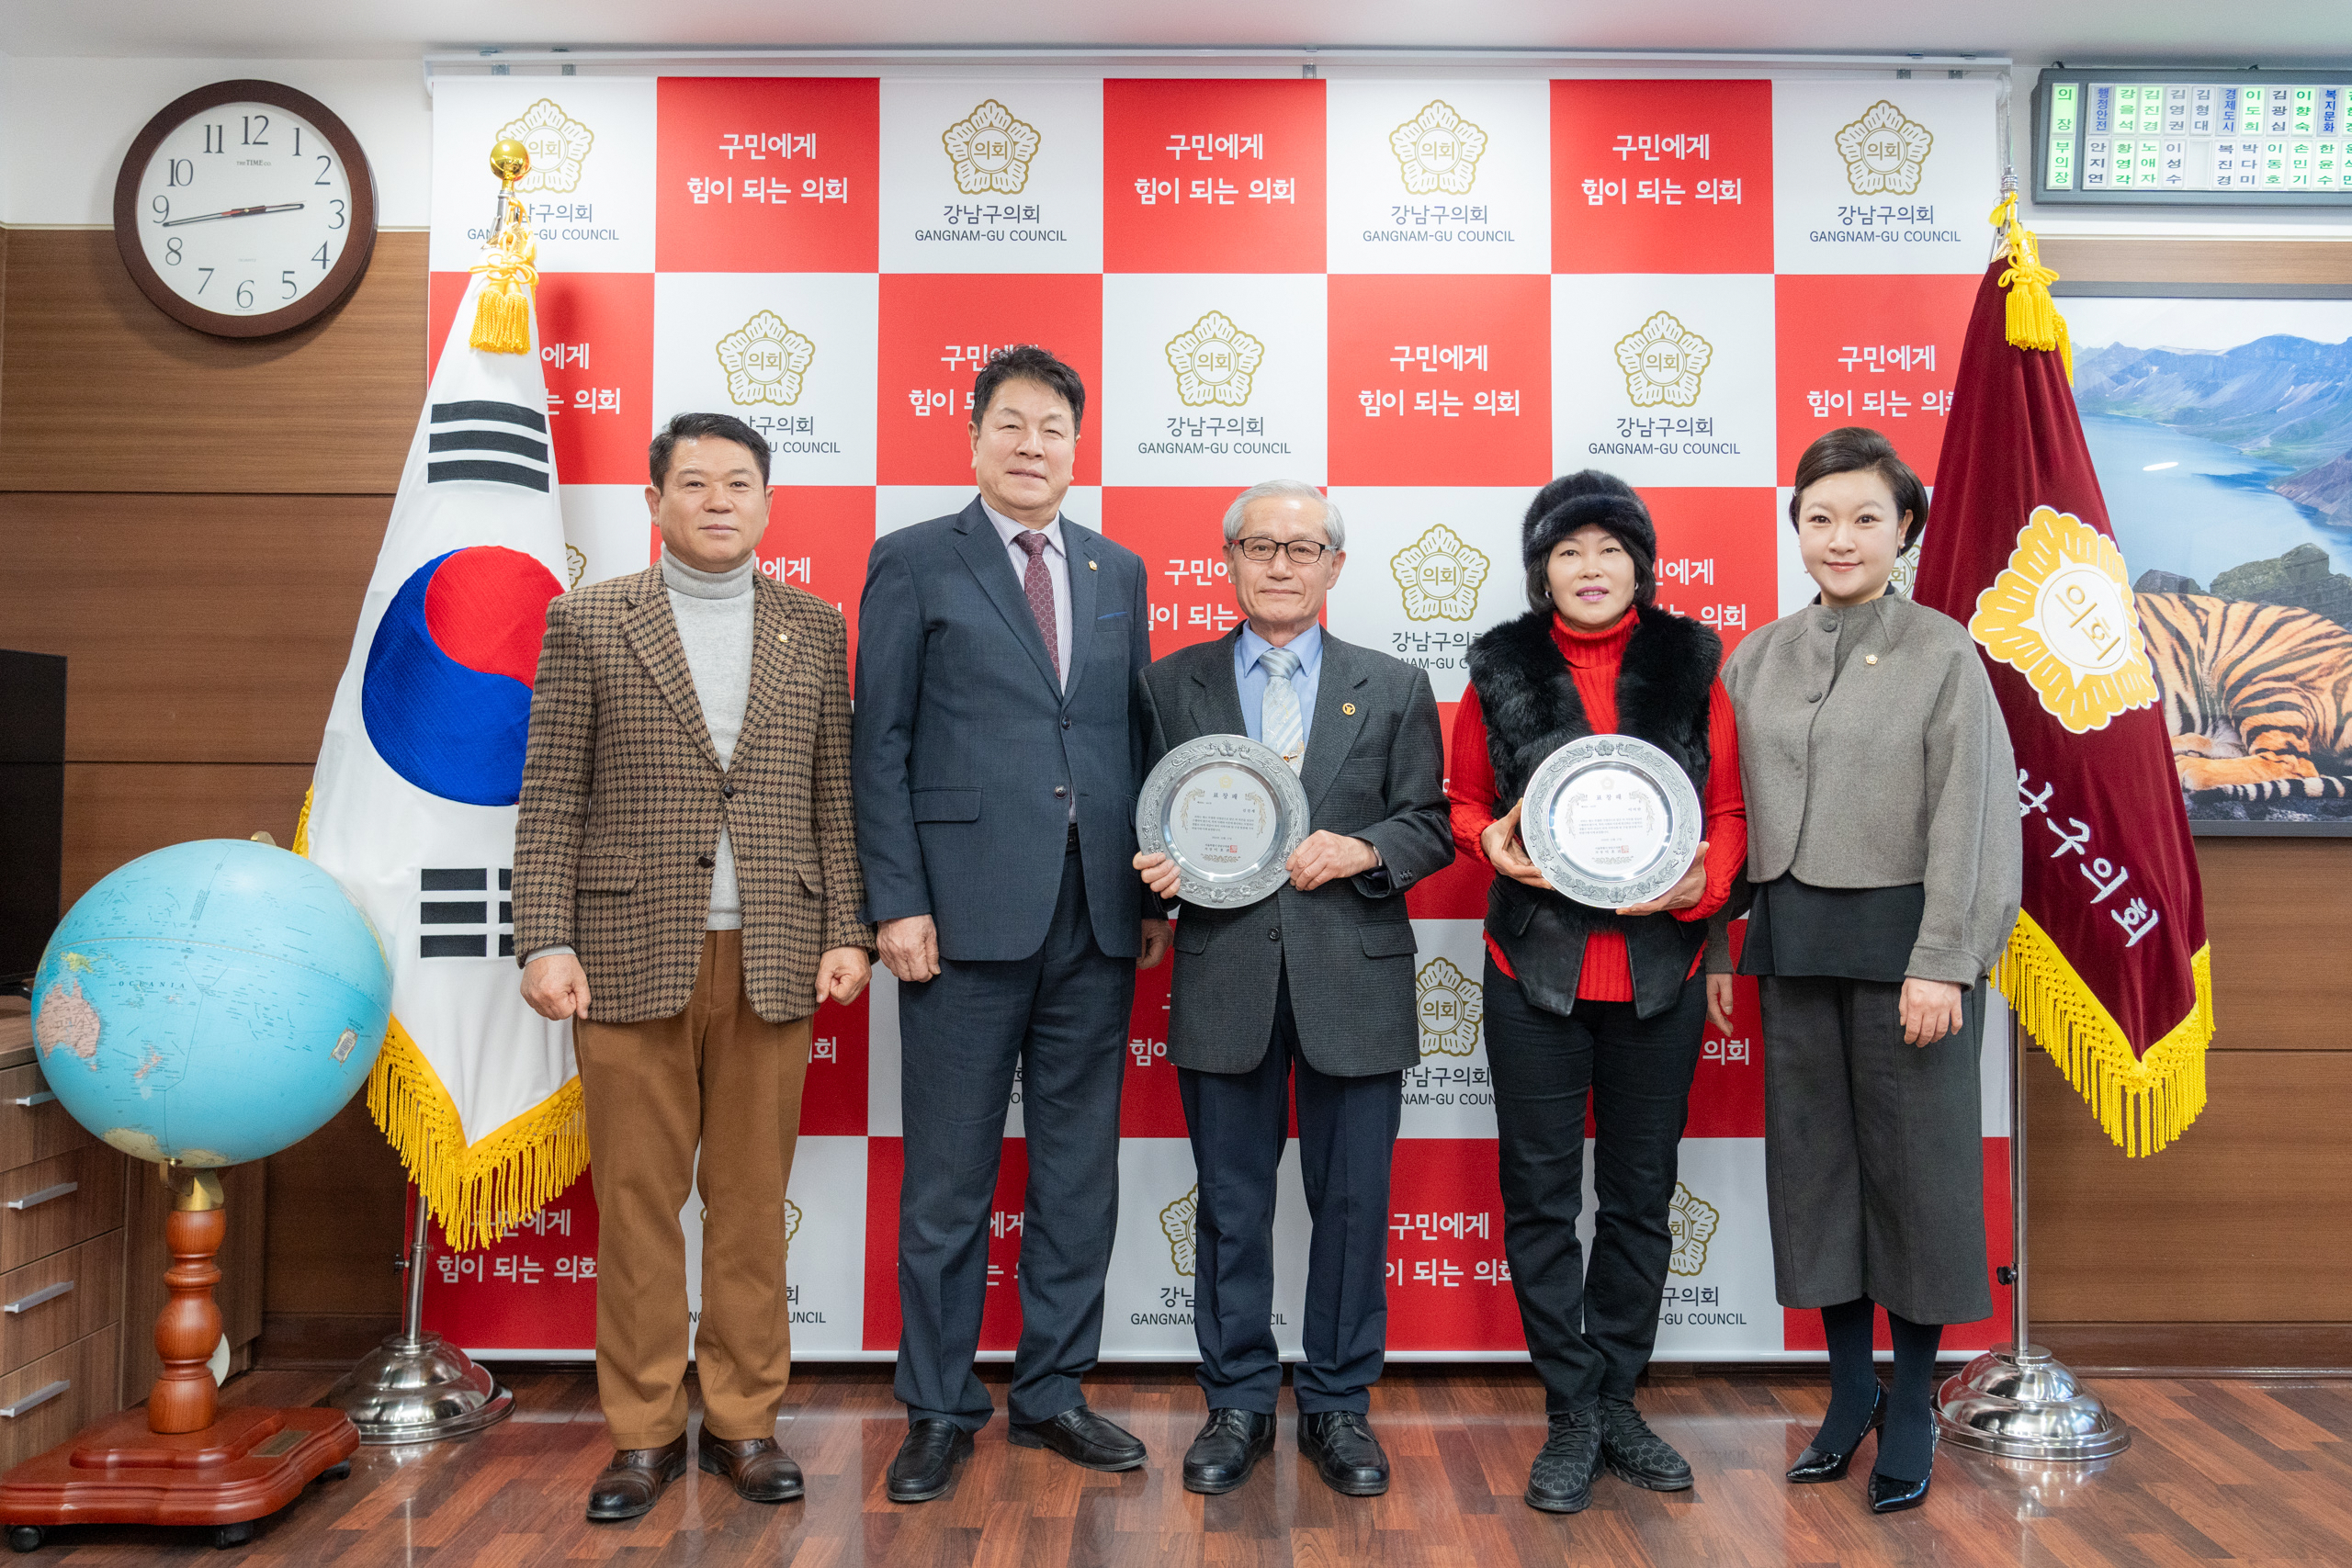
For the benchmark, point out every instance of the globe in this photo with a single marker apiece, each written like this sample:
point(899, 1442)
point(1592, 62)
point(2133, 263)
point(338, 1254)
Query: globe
point(210, 1003)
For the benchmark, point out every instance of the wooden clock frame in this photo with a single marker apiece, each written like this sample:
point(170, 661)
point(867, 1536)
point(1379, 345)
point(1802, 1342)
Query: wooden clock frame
point(341, 278)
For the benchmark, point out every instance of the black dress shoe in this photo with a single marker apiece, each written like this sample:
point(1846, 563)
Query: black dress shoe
point(1082, 1437)
point(1560, 1481)
point(1889, 1496)
point(1227, 1449)
point(925, 1465)
point(1346, 1454)
point(762, 1472)
point(634, 1480)
point(1818, 1464)
point(1632, 1452)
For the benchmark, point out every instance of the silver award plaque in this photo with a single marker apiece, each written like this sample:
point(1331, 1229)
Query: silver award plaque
point(1611, 820)
point(1230, 812)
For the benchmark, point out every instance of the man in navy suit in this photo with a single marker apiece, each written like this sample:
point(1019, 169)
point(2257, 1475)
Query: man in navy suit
point(995, 761)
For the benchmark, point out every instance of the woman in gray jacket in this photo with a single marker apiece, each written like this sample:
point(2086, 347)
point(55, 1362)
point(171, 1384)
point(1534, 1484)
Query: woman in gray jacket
point(1883, 852)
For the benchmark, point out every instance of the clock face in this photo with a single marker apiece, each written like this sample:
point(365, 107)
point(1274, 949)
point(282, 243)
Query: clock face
point(244, 209)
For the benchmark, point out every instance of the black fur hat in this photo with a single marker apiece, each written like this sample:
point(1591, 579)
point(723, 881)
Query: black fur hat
point(1581, 499)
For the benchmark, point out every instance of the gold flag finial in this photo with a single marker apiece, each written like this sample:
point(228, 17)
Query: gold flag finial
point(502, 314)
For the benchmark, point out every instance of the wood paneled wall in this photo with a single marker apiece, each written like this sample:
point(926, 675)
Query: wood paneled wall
point(192, 523)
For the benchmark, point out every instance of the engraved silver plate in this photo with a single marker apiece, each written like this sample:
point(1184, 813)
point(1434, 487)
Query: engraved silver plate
point(1611, 820)
point(1230, 812)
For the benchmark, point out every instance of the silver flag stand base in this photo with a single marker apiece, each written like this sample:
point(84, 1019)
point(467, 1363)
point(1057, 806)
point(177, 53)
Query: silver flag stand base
point(417, 1387)
point(2027, 1407)
point(2024, 1405)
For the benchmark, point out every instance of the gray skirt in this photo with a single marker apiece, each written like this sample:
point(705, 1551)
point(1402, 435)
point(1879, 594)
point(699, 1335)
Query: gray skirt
point(1873, 1151)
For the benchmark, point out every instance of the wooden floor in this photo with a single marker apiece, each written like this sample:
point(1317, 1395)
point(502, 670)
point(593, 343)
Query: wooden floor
point(2219, 1473)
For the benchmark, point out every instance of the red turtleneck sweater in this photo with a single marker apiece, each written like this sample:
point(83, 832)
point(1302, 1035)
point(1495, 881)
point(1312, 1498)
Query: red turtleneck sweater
point(1594, 659)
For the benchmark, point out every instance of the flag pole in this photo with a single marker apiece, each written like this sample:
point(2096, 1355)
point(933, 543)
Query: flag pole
point(2018, 1400)
point(416, 1387)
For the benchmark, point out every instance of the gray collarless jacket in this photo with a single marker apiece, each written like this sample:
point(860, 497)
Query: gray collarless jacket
point(1886, 766)
point(1374, 769)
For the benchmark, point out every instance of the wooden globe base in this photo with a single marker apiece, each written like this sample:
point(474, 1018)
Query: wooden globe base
point(180, 1461)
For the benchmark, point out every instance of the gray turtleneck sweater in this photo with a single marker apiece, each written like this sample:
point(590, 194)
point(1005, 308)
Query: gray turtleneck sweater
point(714, 614)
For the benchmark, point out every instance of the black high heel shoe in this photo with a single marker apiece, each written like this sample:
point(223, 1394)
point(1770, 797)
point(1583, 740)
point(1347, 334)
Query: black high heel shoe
point(1817, 1464)
point(1889, 1496)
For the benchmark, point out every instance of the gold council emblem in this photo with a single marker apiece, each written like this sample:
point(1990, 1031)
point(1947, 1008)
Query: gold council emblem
point(2062, 614)
point(791, 1222)
point(1438, 150)
point(1451, 1004)
point(1886, 152)
point(1179, 1223)
point(1439, 575)
point(559, 145)
point(764, 360)
point(1691, 1221)
point(1213, 361)
point(1664, 362)
point(990, 150)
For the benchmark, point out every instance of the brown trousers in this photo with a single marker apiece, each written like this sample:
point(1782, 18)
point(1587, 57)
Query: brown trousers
point(720, 1075)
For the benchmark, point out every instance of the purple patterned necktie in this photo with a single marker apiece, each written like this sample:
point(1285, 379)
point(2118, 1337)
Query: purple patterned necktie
point(1038, 584)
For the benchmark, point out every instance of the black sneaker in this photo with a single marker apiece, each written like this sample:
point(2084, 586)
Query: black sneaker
point(1634, 1453)
point(1560, 1482)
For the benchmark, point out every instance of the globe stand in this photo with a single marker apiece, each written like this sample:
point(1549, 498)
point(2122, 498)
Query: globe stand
point(181, 1461)
point(417, 1387)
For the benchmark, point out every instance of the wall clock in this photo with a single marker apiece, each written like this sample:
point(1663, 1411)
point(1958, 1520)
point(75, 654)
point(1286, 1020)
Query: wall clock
point(245, 209)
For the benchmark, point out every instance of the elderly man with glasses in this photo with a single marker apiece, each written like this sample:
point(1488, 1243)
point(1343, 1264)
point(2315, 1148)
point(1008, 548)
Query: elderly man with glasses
point(1310, 987)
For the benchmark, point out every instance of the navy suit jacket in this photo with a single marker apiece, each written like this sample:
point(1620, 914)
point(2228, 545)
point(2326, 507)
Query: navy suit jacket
point(964, 754)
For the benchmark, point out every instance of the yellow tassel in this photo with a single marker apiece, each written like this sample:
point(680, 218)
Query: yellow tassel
point(2144, 1101)
point(503, 312)
point(2034, 318)
point(482, 1190)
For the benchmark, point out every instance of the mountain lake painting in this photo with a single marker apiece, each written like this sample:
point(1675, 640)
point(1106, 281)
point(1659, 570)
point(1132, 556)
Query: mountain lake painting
point(2222, 434)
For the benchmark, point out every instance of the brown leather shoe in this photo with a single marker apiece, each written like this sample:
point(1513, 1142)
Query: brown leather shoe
point(634, 1480)
point(761, 1470)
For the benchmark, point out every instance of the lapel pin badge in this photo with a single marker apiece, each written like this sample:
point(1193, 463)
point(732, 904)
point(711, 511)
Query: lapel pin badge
point(1091, 567)
point(1348, 708)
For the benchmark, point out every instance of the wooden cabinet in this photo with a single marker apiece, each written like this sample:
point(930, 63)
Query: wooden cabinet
point(61, 1261)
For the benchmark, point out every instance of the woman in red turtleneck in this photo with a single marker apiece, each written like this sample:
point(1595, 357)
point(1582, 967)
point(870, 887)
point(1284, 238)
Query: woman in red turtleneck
point(1581, 1001)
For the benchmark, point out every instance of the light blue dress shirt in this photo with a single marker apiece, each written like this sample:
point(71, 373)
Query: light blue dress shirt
point(1250, 676)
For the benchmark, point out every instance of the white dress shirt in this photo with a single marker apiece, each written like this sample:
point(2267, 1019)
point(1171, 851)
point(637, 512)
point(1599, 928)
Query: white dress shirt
point(1056, 561)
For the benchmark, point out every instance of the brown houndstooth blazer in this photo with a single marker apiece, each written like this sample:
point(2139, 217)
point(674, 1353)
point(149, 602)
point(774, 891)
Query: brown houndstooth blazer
point(623, 798)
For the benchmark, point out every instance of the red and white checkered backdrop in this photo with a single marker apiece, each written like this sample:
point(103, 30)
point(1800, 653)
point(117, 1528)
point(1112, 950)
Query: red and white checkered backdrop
point(1427, 296)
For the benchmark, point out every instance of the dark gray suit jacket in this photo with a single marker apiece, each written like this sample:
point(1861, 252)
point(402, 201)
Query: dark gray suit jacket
point(963, 754)
point(1375, 771)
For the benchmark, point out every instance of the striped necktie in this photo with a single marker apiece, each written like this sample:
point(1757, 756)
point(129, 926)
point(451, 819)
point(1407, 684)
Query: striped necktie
point(1278, 717)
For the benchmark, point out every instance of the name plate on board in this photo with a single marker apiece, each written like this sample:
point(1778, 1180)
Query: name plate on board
point(1611, 820)
point(1230, 812)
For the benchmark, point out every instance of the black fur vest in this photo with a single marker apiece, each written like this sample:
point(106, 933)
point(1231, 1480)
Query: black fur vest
point(1529, 701)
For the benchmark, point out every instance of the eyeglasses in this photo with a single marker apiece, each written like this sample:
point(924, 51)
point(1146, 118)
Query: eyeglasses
point(1301, 552)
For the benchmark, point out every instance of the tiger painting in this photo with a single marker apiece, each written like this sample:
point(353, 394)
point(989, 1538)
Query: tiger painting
point(2259, 697)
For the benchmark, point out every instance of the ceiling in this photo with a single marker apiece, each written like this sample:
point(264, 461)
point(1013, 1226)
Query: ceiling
point(2081, 31)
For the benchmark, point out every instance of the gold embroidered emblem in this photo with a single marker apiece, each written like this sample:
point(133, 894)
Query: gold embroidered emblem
point(559, 145)
point(1664, 362)
point(1691, 1221)
point(1213, 361)
point(2062, 614)
point(1439, 575)
point(764, 360)
point(1181, 1223)
point(990, 150)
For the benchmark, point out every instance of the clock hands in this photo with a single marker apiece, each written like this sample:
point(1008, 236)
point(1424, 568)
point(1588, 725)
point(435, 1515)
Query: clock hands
point(233, 212)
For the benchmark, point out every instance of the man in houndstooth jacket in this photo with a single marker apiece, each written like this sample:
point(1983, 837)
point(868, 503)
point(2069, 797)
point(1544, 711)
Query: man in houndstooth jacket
point(686, 890)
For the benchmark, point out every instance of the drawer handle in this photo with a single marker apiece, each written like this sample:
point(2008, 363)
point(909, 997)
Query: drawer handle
point(36, 1399)
point(45, 1096)
point(34, 1200)
point(26, 1303)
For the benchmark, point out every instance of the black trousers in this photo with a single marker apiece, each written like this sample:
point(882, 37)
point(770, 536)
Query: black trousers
point(1061, 1016)
point(1589, 1330)
point(1346, 1131)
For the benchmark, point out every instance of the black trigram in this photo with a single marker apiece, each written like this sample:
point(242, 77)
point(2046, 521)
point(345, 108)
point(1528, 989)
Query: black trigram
point(459, 927)
point(485, 440)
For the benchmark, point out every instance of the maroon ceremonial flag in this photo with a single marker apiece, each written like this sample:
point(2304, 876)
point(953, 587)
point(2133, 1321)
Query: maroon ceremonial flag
point(2107, 965)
